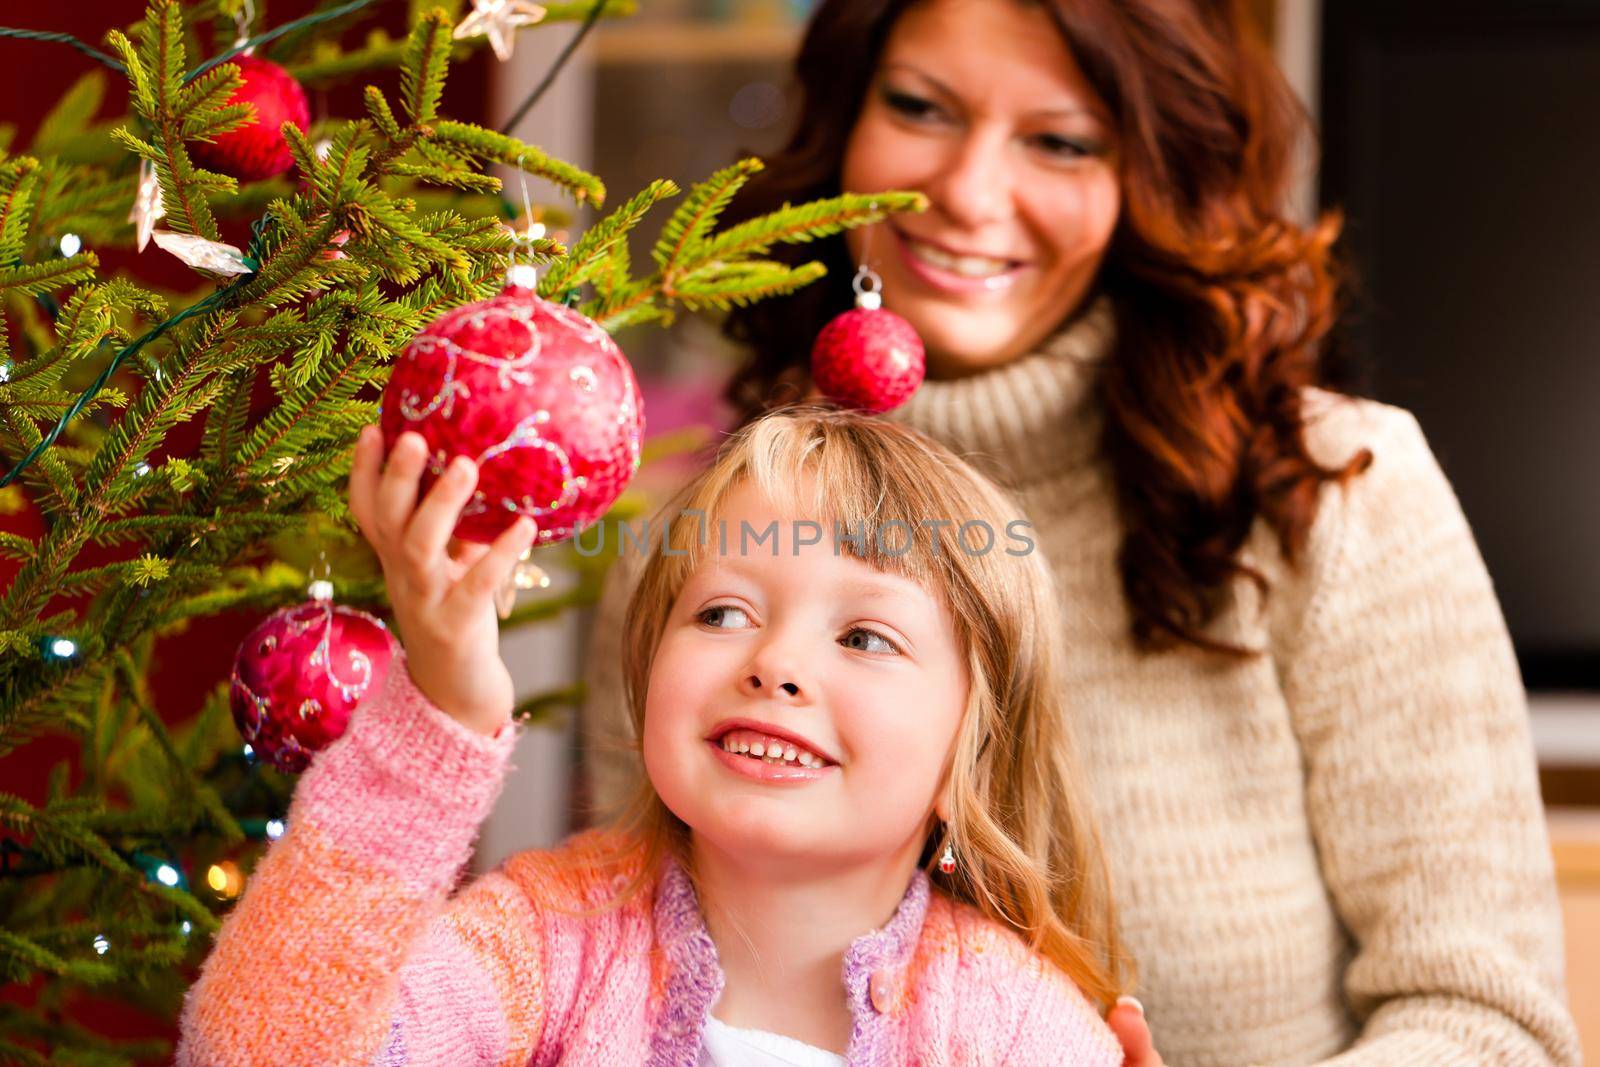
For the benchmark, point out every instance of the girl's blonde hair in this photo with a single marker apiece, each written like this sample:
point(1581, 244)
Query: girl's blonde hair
point(1029, 852)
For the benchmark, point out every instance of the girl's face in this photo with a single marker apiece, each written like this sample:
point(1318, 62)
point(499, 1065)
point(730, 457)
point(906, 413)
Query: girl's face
point(814, 653)
point(979, 105)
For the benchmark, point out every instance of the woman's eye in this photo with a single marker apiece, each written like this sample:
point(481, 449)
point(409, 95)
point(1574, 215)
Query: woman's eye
point(906, 104)
point(864, 644)
point(1063, 147)
point(711, 613)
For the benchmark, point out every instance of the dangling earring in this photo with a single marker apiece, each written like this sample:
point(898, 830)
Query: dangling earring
point(947, 862)
point(868, 357)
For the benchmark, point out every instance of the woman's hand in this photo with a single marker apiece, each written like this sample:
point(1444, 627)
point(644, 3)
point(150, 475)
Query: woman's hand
point(1127, 1022)
point(442, 591)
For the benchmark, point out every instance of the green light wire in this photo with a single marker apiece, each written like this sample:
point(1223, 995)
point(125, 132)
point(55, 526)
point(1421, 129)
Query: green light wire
point(252, 259)
point(274, 34)
point(261, 38)
point(65, 38)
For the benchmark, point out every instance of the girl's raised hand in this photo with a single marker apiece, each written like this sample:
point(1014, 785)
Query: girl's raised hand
point(443, 592)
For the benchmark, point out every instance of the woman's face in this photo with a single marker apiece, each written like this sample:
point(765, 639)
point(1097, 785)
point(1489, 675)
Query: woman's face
point(807, 650)
point(979, 105)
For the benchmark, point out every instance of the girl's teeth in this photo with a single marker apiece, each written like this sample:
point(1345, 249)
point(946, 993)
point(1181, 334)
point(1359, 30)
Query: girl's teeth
point(967, 266)
point(773, 752)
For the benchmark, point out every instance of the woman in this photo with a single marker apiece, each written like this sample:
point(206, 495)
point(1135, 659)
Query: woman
point(1304, 727)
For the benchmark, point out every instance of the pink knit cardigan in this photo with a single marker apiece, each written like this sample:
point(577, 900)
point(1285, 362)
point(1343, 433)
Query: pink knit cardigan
point(348, 947)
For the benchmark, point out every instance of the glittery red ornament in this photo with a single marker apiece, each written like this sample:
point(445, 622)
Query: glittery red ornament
point(257, 150)
point(299, 675)
point(868, 358)
point(538, 395)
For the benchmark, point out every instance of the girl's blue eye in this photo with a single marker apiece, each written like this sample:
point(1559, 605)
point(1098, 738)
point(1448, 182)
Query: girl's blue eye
point(719, 607)
point(889, 645)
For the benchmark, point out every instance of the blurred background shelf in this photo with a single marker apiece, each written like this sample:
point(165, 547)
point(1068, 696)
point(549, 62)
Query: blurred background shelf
point(647, 42)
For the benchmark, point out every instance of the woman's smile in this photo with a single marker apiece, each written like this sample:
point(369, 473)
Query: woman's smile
point(958, 274)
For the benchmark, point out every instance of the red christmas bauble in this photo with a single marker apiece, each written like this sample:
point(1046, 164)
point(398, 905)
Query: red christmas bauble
point(257, 150)
point(299, 675)
point(538, 395)
point(868, 358)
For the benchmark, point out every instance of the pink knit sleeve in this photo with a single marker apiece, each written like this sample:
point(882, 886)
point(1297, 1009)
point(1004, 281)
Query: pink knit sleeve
point(346, 946)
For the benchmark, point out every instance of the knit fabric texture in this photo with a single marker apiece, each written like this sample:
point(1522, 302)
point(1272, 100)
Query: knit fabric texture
point(348, 947)
point(1334, 853)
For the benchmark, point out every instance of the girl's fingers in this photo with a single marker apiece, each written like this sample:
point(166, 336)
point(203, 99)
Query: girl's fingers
point(492, 571)
point(430, 527)
point(364, 478)
point(466, 553)
point(397, 490)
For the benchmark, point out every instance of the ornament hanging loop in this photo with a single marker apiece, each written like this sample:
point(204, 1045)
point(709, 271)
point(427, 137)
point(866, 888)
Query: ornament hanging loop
point(525, 275)
point(868, 288)
point(525, 575)
point(243, 19)
point(867, 285)
point(321, 587)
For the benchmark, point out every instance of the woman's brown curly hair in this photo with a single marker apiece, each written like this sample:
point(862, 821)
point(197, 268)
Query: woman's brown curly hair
point(1222, 302)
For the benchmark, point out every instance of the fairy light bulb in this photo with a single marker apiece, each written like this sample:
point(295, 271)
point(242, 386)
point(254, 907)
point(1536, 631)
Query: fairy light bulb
point(224, 879)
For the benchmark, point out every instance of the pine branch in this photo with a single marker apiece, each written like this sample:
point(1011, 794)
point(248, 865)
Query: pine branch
point(16, 187)
point(597, 248)
point(738, 284)
point(155, 71)
point(423, 65)
point(695, 217)
point(822, 218)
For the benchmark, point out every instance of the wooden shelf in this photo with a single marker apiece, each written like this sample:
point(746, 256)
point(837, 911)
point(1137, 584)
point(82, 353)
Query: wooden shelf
point(1575, 842)
point(692, 42)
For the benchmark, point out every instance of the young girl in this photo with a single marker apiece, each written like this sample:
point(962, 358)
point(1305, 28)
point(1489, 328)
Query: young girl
point(861, 833)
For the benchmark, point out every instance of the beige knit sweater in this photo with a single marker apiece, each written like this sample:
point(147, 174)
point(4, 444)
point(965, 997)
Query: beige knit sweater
point(1334, 854)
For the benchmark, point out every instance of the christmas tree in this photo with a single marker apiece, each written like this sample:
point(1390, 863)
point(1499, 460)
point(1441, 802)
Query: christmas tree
point(132, 422)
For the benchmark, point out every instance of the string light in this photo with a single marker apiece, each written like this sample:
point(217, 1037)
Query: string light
point(186, 926)
point(62, 647)
point(70, 244)
point(250, 753)
point(101, 945)
point(167, 874)
point(224, 879)
point(274, 829)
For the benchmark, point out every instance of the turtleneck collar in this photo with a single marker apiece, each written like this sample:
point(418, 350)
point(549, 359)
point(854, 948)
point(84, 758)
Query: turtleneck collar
point(1031, 417)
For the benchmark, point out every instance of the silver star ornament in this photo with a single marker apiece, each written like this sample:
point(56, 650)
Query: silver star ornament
point(147, 206)
point(213, 257)
point(499, 20)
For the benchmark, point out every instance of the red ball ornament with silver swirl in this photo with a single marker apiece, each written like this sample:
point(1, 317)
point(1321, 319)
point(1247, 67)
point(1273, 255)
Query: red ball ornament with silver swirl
point(537, 395)
point(300, 674)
